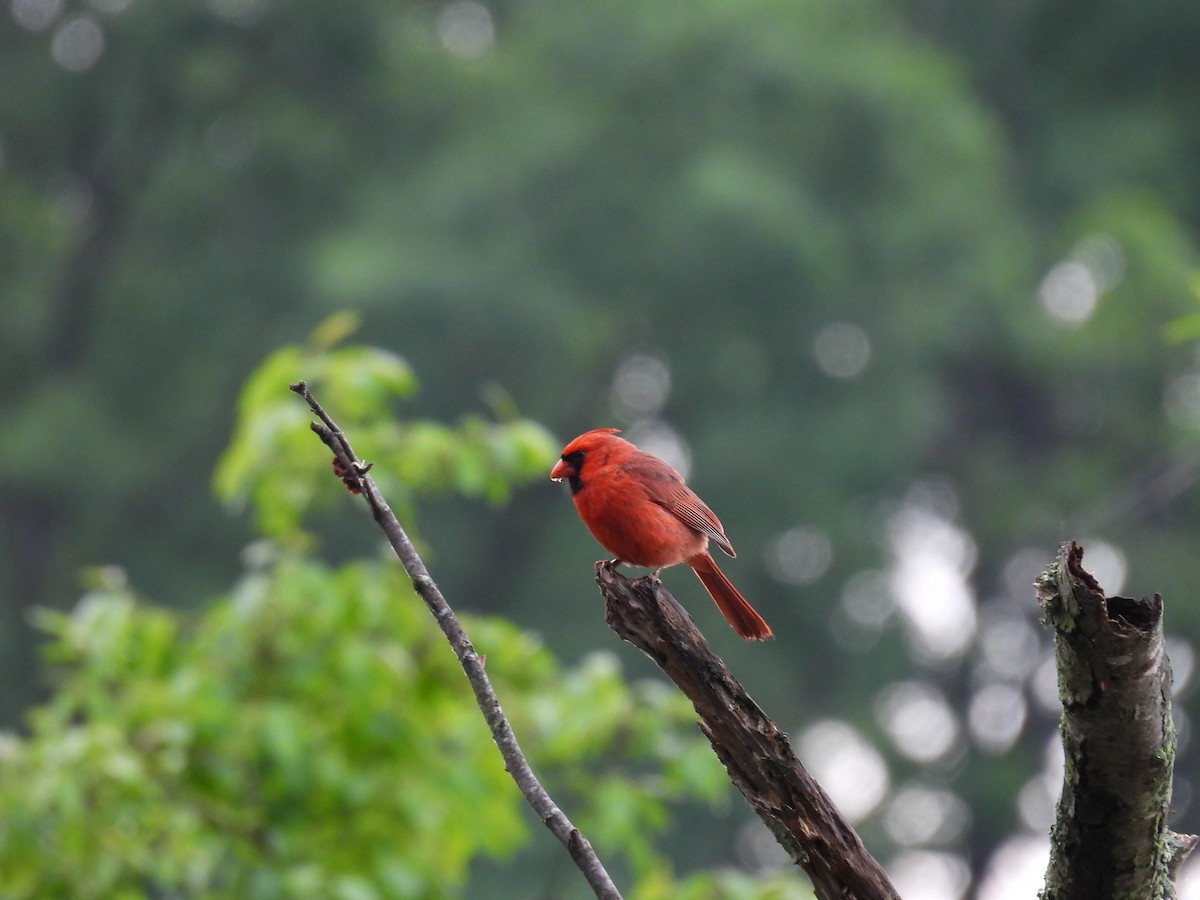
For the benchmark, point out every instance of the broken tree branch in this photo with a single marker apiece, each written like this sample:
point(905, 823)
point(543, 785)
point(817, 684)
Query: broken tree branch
point(753, 749)
point(1110, 837)
point(355, 474)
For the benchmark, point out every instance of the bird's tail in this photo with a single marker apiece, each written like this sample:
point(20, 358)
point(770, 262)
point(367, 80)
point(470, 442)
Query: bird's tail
point(737, 612)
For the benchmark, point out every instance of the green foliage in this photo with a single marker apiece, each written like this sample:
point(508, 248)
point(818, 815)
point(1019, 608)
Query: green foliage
point(308, 734)
point(312, 735)
point(270, 462)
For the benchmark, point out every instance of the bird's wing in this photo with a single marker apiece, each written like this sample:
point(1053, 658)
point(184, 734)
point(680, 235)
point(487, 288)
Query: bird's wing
point(666, 488)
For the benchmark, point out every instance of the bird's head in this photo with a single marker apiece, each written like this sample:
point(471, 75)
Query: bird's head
point(591, 444)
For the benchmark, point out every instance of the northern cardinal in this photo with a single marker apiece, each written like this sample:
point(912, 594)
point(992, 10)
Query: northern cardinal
point(640, 510)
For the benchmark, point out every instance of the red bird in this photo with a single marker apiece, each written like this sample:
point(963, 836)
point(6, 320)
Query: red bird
point(640, 510)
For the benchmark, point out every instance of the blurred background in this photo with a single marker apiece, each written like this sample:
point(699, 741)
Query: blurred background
point(907, 289)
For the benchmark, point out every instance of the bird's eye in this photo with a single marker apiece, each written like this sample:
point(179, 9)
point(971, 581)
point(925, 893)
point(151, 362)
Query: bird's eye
point(574, 460)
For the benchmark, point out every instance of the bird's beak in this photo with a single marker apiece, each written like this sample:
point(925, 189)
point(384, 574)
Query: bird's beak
point(561, 470)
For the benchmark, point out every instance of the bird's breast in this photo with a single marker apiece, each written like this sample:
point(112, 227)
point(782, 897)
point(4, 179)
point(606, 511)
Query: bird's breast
point(633, 528)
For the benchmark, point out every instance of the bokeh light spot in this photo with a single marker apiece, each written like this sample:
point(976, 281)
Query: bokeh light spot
point(78, 43)
point(1037, 798)
point(867, 599)
point(640, 386)
point(918, 815)
point(850, 769)
point(466, 29)
point(996, 716)
point(927, 875)
point(800, 555)
point(931, 561)
point(1016, 869)
point(1035, 805)
point(1103, 257)
point(36, 15)
point(842, 350)
point(918, 719)
point(1183, 663)
point(1008, 648)
point(1107, 563)
point(1069, 292)
point(1188, 882)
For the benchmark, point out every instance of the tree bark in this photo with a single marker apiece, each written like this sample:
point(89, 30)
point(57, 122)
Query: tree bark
point(753, 749)
point(1110, 837)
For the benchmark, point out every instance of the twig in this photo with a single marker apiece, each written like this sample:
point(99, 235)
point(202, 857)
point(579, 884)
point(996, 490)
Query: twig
point(1110, 837)
point(518, 767)
point(752, 748)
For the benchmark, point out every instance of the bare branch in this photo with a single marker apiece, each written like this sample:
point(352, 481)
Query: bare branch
point(753, 749)
point(518, 767)
point(1110, 838)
